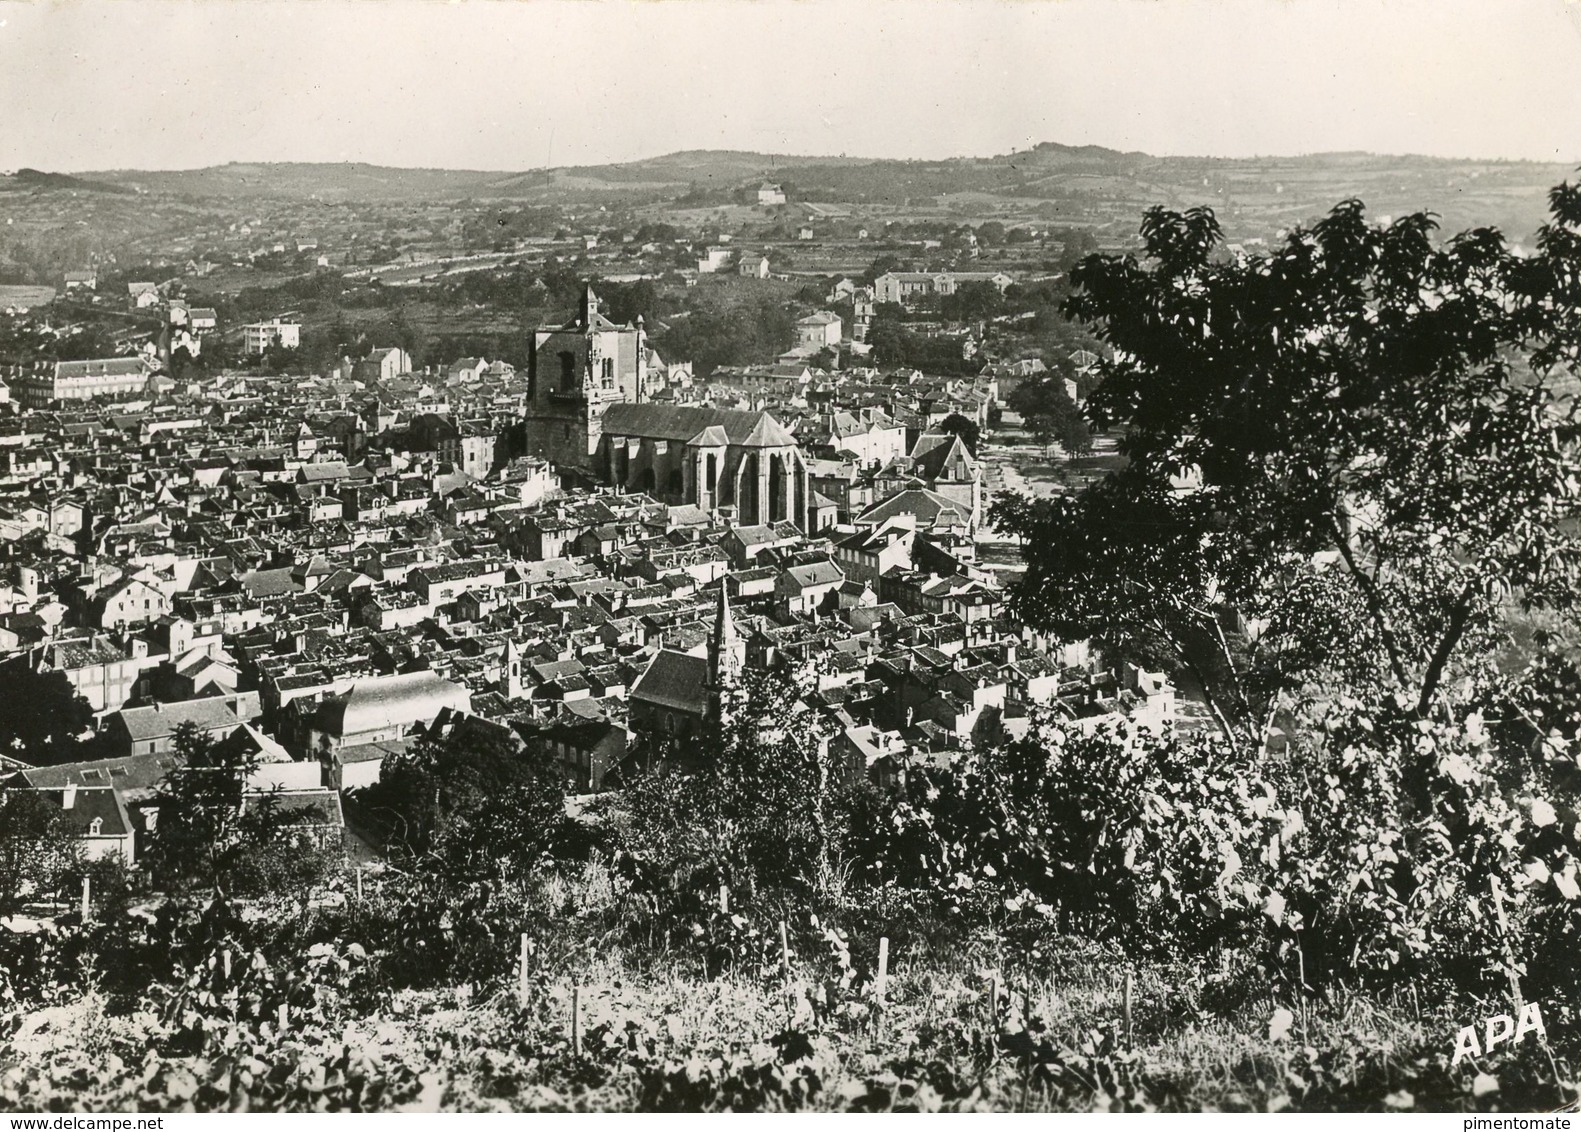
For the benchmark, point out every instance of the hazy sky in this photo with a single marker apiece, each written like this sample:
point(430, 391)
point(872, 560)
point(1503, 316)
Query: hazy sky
point(513, 84)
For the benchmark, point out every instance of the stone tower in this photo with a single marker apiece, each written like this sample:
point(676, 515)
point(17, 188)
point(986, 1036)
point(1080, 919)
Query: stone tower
point(574, 373)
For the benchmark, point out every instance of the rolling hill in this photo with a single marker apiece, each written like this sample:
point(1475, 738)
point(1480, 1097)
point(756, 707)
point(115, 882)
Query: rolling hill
point(1051, 178)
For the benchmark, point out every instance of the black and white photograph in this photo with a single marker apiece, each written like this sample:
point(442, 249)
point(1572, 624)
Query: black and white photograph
point(796, 556)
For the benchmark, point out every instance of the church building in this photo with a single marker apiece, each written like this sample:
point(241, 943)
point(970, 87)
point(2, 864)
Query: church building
point(574, 373)
point(587, 411)
point(741, 463)
point(680, 694)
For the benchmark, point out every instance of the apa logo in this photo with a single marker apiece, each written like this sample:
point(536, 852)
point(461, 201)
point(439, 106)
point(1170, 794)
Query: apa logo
point(1501, 1028)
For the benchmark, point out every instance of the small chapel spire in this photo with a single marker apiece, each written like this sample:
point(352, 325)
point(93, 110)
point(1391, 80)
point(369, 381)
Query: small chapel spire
point(727, 653)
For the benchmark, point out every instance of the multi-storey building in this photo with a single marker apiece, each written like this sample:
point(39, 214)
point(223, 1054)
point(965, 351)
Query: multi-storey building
point(257, 337)
point(123, 378)
point(904, 286)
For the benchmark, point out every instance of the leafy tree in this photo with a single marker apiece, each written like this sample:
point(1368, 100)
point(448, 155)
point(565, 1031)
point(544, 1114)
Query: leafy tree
point(181, 362)
point(972, 302)
point(278, 359)
point(1074, 245)
point(653, 231)
point(624, 302)
point(894, 344)
point(730, 329)
point(83, 342)
point(754, 804)
point(1050, 415)
point(208, 831)
point(217, 354)
point(43, 720)
point(827, 358)
point(1383, 463)
point(1045, 294)
point(322, 348)
point(1110, 834)
point(963, 427)
point(475, 805)
point(37, 847)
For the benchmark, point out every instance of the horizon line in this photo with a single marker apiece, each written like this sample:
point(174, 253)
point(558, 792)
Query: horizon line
point(808, 158)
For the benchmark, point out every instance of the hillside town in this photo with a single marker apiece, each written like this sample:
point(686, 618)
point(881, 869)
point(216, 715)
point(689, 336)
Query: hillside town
point(549, 564)
point(580, 555)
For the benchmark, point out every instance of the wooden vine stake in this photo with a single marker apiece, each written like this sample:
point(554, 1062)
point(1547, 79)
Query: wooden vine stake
point(1026, 1060)
point(1125, 1006)
point(785, 972)
point(881, 985)
point(232, 995)
point(576, 1019)
point(359, 884)
point(285, 1017)
point(993, 1014)
point(724, 900)
point(1301, 990)
point(521, 970)
point(1504, 934)
point(87, 894)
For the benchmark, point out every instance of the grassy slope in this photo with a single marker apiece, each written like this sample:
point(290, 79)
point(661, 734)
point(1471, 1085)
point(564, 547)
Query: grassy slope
point(668, 1039)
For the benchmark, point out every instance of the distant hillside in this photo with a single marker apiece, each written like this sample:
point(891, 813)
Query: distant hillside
point(306, 181)
point(37, 179)
point(1083, 184)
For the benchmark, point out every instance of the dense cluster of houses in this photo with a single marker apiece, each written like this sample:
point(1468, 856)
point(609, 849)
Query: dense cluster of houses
point(324, 571)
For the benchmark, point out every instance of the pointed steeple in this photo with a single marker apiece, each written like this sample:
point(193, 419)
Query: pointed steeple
point(590, 305)
point(727, 652)
point(514, 688)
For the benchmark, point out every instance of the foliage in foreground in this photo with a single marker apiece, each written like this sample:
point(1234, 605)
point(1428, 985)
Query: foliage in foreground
point(1391, 804)
point(206, 1033)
